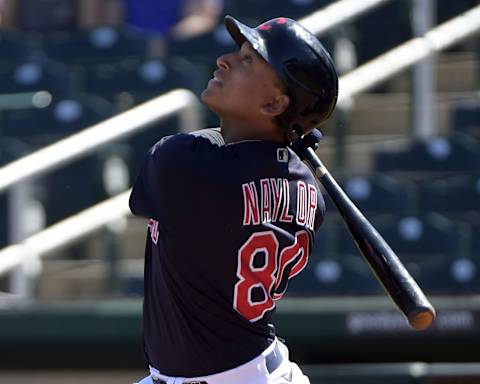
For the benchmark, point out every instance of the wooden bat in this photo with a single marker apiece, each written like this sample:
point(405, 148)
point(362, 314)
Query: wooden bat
point(387, 267)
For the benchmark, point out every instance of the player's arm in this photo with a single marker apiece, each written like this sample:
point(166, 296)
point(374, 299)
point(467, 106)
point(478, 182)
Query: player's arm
point(167, 177)
point(148, 183)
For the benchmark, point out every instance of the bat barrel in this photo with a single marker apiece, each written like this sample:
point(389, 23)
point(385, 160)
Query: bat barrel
point(389, 270)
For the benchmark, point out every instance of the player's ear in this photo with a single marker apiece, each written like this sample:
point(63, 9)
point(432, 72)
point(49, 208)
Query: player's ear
point(276, 105)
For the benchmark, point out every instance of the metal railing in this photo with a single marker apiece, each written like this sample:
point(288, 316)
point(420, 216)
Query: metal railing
point(181, 102)
point(18, 174)
point(338, 13)
point(359, 80)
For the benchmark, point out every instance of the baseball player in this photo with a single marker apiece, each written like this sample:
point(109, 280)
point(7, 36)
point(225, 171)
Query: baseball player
point(233, 213)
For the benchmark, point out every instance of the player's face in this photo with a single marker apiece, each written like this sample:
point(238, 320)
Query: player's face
point(242, 86)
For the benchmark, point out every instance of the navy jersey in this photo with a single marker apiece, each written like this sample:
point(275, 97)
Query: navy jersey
point(229, 225)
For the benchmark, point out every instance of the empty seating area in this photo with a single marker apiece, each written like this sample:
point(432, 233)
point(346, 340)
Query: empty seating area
point(424, 198)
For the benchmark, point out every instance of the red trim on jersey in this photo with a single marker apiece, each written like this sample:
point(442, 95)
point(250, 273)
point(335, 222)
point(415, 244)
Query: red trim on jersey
point(301, 203)
point(250, 204)
point(285, 217)
point(312, 206)
point(266, 201)
point(276, 187)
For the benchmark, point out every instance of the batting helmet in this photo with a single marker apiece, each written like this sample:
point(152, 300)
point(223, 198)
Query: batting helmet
point(301, 62)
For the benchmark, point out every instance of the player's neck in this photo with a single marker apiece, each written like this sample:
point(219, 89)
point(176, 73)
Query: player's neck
point(242, 130)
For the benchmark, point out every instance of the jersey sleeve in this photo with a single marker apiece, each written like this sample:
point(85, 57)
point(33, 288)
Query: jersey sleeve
point(169, 172)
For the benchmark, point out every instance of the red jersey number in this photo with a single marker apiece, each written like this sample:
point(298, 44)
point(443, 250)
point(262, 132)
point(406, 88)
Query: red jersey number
point(260, 268)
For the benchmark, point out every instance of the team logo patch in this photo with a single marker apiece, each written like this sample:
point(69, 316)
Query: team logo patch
point(282, 155)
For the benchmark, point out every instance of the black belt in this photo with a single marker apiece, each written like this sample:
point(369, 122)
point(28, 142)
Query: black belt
point(272, 361)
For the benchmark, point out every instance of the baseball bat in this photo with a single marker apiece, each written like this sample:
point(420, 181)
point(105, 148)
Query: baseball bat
point(389, 270)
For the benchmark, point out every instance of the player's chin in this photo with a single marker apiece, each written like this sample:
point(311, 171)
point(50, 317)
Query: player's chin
point(210, 97)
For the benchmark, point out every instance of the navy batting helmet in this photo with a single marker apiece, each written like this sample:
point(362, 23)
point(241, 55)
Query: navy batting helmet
point(301, 62)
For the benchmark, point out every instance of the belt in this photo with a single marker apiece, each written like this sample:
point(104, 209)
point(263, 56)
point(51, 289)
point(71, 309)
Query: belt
point(272, 362)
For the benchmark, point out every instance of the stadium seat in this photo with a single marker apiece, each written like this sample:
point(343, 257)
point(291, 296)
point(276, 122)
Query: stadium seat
point(412, 235)
point(453, 194)
point(10, 150)
point(18, 47)
point(84, 182)
point(328, 272)
point(3, 220)
point(439, 154)
point(141, 79)
point(102, 44)
point(380, 30)
point(77, 185)
point(63, 116)
point(476, 241)
point(466, 118)
point(32, 76)
point(448, 9)
point(443, 276)
point(204, 49)
point(140, 143)
point(261, 10)
point(380, 193)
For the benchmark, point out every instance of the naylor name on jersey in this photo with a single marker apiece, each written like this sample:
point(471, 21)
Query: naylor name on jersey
point(271, 201)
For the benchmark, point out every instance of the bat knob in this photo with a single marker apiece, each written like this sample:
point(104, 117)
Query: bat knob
point(310, 140)
point(422, 319)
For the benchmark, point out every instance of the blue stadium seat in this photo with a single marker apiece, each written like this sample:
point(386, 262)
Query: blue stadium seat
point(141, 79)
point(439, 154)
point(140, 143)
point(443, 276)
point(261, 10)
point(453, 194)
point(102, 44)
point(380, 193)
point(328, 272)
point(475, 248)
point(63, 116)
point(466, 118)
point(78, 185)
point(448, 9)
point(204, 49)
point(380, 30)
point(17, 46)
point(85, 182)
point(10, 150)
point(413, 235)
point(32, 76)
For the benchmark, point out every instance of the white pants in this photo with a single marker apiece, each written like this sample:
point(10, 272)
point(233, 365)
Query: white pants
point(252, 372)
